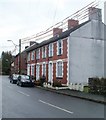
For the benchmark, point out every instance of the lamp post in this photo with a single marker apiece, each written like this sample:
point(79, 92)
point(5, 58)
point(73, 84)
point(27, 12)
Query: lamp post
point(19, 56)
point(19, 53)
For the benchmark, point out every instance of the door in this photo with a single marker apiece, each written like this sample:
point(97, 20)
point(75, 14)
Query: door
point(37, 71)
point(28, 70)
point(50, 75)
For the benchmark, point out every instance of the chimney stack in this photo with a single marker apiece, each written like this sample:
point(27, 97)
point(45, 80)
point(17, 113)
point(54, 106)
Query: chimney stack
point(72, 23)
point(95, 14)
point(56, 31)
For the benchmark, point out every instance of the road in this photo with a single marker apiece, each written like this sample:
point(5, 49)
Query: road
point(27, 102)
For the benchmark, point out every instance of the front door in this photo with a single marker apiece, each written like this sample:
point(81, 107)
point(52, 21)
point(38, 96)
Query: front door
point(37, 71)
point(50, 75)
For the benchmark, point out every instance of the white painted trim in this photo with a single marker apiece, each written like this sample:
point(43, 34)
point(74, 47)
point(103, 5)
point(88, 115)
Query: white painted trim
point(38, 65)
point(38, 54)
point(42, 51)
point(33, 69)
point(54, 61)
point(32, 55)
point(32, 64)
point(28, 56)
point(62, 47)
point(68, 79)
point(59, 60)
point(52, 49)
point(50, 62)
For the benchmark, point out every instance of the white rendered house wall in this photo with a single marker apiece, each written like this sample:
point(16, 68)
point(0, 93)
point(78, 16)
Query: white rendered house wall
point(86, 52)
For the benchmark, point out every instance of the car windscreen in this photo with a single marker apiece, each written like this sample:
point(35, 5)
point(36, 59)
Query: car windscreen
point(15, 76)
point(25, 77)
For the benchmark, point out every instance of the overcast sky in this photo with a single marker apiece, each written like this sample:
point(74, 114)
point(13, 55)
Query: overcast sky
point(22, 18)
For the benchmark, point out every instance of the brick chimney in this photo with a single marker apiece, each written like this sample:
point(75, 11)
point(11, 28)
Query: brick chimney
point(72, 23)
point(95, 14)
point(56, 31)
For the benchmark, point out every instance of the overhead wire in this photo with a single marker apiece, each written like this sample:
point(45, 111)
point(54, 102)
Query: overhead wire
point(80, 15)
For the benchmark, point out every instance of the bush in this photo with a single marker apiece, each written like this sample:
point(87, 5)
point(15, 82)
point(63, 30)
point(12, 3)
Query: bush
point(97, 85)
point(37, 83)
point(57, 83)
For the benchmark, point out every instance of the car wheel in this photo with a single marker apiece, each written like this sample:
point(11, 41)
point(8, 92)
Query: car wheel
point(17, 83)
point(12, 82)
point(20, 84)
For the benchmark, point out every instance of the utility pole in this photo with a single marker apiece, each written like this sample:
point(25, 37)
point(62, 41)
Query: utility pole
point(19, 56)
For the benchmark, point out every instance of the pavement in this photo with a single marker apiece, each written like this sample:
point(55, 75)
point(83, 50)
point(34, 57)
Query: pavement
point(78, 94)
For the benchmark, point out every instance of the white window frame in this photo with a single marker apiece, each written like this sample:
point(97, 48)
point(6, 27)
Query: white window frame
point(50, 49)
point(32, 55)
point(59, 47)
point(44, 64)
point(28, 57)
point(57, 74)
point(50, 72)
point(38, 53)
point(37, 74)
point(28, 69)
point(32, 70)
point(44, 52)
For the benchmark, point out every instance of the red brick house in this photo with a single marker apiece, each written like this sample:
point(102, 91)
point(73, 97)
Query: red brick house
point(50, 57)
point(15, 63)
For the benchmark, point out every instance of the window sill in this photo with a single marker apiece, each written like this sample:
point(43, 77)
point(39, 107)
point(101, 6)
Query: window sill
point(59, 55)
point(59, 77)
point(50, 56)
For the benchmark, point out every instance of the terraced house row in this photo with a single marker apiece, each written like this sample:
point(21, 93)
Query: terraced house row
point(71, 56)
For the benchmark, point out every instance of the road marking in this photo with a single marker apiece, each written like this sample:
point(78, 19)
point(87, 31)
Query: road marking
point(23, 93)
point(56, 107)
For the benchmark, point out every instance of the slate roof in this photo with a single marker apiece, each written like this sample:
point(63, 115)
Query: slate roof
point(56, 38)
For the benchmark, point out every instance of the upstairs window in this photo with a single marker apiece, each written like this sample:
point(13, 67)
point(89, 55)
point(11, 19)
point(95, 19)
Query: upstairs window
point(44, 52)
point(59, 47)
point(38, 54)
point(50, 49)
point(32, 55)
point(28, 58)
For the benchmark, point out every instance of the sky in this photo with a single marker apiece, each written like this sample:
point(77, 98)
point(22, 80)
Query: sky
point(23, 18)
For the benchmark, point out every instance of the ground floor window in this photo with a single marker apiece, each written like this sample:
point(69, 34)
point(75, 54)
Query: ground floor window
point(44, 69)
point(59, 69)
point(32, 70)
point(28, 70)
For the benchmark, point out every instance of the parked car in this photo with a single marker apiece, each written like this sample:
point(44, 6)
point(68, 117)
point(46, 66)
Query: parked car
point(14, 78)
point(25, 80)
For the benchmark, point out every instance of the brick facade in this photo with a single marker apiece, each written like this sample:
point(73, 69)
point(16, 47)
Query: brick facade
point(53, 59)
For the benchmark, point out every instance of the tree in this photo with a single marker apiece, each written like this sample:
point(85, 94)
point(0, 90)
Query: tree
point(6, 62)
